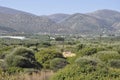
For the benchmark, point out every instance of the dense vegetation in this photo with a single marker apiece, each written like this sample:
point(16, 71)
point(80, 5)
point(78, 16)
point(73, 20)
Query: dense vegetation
point(63, 58)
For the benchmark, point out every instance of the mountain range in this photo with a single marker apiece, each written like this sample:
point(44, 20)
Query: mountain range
point(98, 22)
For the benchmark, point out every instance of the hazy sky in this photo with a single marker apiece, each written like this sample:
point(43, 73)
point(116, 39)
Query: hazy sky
point(43, 7)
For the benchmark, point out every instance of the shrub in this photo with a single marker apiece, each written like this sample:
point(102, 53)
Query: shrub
point(45, 55)
point(4, 51)
point(86, 68)
point(87, 51)
point(57, 63)
point(101, 49)
point(107, 55)
point(21, 57)
point(75, 72)
point(2, 55)
point(80, 46)
point(24, 52)
point(118, 51)
point(13, 70)
point(71, 42)
point(114, 63)
point(89, 64)
point(46, 44)
point(59, 39)
point(86, 60)
point(19, 61)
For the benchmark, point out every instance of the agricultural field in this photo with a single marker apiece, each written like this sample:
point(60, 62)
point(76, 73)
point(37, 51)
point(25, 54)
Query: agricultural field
point(56, 57)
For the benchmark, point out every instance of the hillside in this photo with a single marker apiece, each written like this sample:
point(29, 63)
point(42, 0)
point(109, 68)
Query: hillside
point(85, 24)
point(24, 22)
point(94, 23)
point(58, 17)
point(6, 30)
point(110, 17)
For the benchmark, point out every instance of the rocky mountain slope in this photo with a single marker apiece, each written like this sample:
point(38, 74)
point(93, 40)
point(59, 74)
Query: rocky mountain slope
point(98, 22)
point(25, 22)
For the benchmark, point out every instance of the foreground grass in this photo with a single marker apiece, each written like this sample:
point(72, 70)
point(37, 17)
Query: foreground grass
point(42, 75)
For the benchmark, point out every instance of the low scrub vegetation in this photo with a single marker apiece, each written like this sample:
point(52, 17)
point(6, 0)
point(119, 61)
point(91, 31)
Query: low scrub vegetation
point(38, 59)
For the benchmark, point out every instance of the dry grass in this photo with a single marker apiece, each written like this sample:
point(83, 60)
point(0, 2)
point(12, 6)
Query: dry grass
point(43, 75)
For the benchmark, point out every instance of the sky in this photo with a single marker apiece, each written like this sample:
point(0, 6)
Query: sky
point(47, 7)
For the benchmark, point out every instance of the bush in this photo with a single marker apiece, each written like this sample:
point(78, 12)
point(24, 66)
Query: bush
point(89, 64)
point(13, 70)
point(57, 63)
point(4, 51)
point(114, 63)
point(118, 51)
point(46, 44)
point(107, 55)
point(24, 52)
point(45, 55)
point(87, 51)
point(80, 46)
point(59, 39)
point(21, 57)
point(75, 72)
point(19, 61)
point(2, 55)
point(86, 68)
point(86, 60)
point(71, 43)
